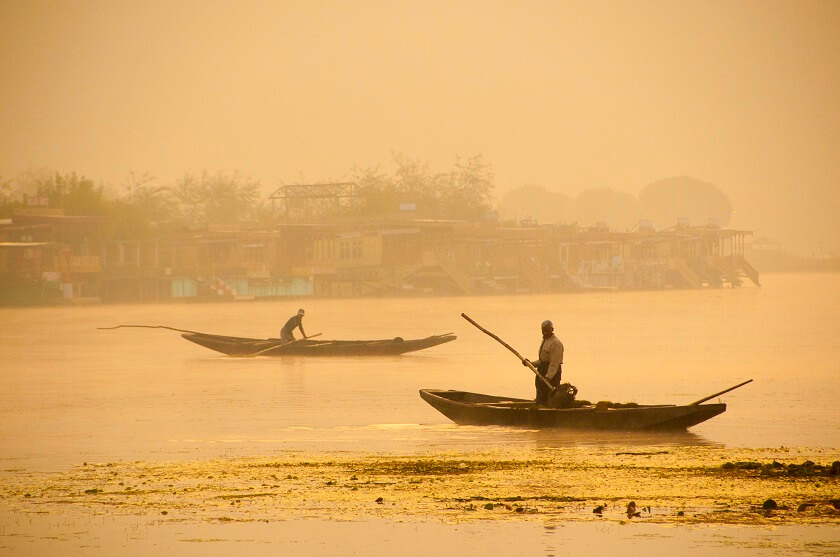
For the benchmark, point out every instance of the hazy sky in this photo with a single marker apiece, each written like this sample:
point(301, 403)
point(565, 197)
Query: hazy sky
point(568, 95)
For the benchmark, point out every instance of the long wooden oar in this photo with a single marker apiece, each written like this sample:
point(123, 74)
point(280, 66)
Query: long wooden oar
point(704, 399)
point(156, 327)
point(509, 347)
point(282, 344)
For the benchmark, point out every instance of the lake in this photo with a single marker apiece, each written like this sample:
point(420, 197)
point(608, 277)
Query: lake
point(73, 393)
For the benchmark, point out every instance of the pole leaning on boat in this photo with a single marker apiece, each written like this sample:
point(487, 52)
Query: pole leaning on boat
point(512, 349)
point(704, 399)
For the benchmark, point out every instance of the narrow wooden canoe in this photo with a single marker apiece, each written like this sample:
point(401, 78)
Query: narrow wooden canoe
point(241, 346)
point(477, 409)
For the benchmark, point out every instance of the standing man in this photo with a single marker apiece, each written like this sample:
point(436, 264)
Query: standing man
point(550, 362)
point(295, 321)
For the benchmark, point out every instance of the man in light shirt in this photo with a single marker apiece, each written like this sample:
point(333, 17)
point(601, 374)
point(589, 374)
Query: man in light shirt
point(549, 362)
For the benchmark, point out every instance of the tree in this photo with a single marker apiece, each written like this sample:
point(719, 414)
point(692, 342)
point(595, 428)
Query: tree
point(75, 194)
point(7, 203)
point(28, 180)
point(618, 209)
point(536, 202)
point(465, 192)
point(141, 204)
point(5, 190)
point(151, 202)
point(414, 177)
point(667, 200)
point(468, 193)
point(189, 197)
point(377, 191)
point(218, 198)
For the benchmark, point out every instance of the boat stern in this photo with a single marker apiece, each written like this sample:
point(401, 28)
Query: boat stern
point(689, 416)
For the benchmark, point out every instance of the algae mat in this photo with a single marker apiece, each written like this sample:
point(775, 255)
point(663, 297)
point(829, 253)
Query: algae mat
point(688, 485)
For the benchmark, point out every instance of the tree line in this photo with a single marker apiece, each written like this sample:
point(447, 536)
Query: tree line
point(663, 202)
point(139, 199)
point(464, 191)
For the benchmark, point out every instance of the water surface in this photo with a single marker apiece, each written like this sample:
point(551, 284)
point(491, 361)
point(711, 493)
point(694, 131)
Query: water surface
point(72, 393)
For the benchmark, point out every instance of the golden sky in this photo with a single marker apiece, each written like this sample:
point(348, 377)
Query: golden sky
point(568, 95)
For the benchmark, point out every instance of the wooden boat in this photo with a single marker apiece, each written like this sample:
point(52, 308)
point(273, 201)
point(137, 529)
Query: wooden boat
point(478, 409)
point(240, 346)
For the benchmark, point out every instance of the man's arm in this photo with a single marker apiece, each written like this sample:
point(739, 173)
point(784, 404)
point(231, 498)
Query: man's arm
point(300, 326)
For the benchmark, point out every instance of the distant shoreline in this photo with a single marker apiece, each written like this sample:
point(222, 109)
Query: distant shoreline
point(80, 302)
point(781, 262)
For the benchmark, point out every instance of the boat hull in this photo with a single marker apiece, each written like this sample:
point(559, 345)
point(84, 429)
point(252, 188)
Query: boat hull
point(476, 409)
point(241, 346)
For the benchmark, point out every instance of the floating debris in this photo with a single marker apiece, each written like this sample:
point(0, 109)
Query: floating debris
point(742, 466)
point(634, 453)
point(807, 468)
point(686, 483)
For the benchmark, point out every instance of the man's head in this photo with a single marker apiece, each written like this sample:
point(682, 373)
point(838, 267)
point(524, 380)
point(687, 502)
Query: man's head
point(547, 328)
point(301, 312)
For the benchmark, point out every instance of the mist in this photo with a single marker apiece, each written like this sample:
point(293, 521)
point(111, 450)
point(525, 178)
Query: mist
point(570, 96)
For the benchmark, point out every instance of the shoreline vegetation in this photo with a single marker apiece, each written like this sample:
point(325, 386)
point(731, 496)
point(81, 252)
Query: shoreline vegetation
point(659, 485)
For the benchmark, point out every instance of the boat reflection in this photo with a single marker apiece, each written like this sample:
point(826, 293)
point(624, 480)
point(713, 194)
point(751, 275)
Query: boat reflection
point(559, 438)
point(467, 437)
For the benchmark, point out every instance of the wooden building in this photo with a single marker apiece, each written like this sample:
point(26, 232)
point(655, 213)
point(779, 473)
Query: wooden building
point(51, 256)
point(213, 263)
point(681, 257)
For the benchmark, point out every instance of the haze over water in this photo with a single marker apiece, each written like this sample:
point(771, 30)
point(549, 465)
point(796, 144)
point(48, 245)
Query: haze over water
point(567, 95)
point(73, 393)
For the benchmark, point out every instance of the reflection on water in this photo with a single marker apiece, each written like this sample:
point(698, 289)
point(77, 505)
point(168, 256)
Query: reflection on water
point(145, 536)
point(561, 438)
point(72, 393)
point(408, 438)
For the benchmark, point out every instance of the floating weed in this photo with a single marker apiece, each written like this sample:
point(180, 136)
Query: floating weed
point(515, 498)
point(443, 467)
point(775, 468)
point(239, 496)
point(687, 485)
